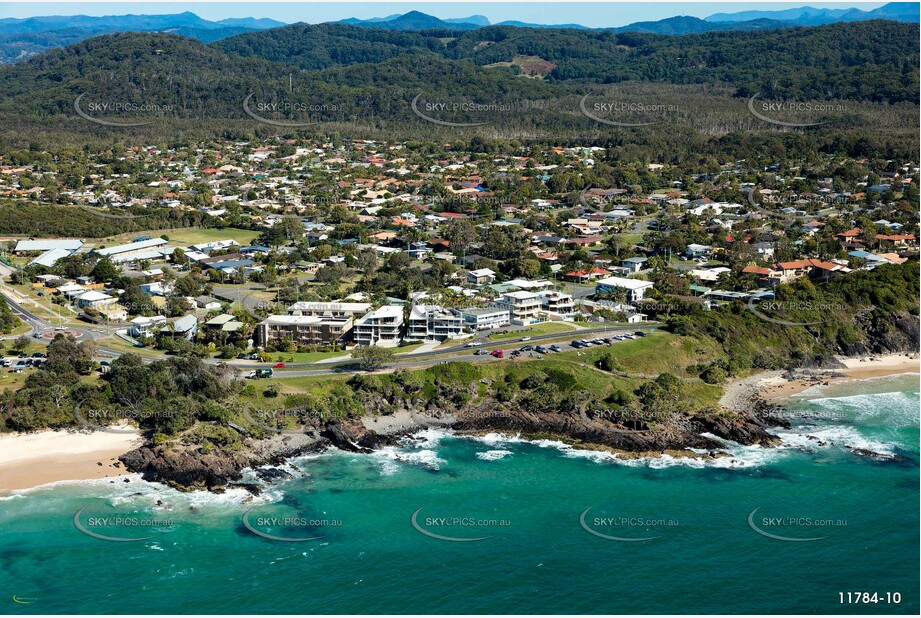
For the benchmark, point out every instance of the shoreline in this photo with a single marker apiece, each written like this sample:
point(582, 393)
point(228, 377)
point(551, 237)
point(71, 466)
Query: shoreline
point(771, 386)
point(29, 460)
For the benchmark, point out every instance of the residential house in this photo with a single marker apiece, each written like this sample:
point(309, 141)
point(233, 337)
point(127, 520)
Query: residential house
point(635, 289)
point(634, 264)
point(696, 251)
point(182, 328)
point(93, 300)
point(146, 326)
point(481, 276)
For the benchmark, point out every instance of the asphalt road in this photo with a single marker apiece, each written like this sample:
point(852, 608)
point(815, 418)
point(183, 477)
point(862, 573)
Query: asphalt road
point(410, 361)
point(454, 353)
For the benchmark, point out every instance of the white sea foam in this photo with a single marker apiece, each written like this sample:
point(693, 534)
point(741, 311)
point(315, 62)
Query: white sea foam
point(893, 409)
point(429, 437)
point(497, 438)
point(737, 456)
point(493, 455)
point(828, 436)
point(425, 458)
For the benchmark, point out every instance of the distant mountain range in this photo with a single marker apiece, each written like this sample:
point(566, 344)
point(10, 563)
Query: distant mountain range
point(746, 20)
point(808, 16)
point(23, 38)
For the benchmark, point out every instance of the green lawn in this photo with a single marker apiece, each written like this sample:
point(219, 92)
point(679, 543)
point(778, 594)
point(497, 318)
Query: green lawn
point(302, 384)
point(544, 328)
point(183, 236)
point(304, 357)
point(656, 353)
point(117, 343)
point(409, 347)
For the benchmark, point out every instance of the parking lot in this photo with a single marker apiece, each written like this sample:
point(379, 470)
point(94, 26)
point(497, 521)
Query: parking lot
point(530, 350)
point(18, 364)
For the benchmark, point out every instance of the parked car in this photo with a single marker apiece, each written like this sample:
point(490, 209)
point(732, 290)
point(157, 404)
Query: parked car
point(555, 348)
point(480, 353)
point(577, 344)
point(527, 348)
point(515, 353)
point(497, 353)
point(540, 349)
point(640, 333)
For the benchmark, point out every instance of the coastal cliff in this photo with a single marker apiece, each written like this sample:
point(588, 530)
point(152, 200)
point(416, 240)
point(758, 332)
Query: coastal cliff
point(188, 467)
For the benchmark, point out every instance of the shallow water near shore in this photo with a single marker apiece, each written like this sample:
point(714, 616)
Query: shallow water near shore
point(539, 550)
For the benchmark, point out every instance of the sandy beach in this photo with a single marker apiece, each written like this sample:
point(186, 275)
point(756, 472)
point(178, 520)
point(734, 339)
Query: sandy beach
point(33, 459)
point(773, 385)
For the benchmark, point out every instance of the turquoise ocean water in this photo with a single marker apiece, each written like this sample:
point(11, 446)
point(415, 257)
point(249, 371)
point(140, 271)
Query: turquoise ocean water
point(523, 500)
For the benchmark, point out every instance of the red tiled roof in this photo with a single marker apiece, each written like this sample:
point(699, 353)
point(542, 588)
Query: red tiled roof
point(794, 265)
point(895, 237)
point(850, 233)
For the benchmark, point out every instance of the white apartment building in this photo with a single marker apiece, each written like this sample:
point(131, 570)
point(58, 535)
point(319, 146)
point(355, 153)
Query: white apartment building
point(380, 327)
point(304, 329)
point(482, 318)
point(333, 310)
point(524, 306)
point(433, 322)
point(558, 303)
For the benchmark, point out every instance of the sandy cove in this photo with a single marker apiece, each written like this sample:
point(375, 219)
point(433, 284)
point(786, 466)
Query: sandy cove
point(774, 385)
point(32, 459)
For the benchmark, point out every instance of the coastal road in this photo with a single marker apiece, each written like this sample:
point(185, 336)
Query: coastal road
point(459, 352)
point(454, 353)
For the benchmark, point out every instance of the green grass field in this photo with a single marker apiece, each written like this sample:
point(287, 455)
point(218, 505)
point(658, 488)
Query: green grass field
point(544, 328)
point(183, 236)
point(304, 357)
point(658, 352)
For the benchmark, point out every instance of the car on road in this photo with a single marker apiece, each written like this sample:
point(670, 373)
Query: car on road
point(64, 328)
point(473, 344)
point(525, 339)
point(278, 366)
